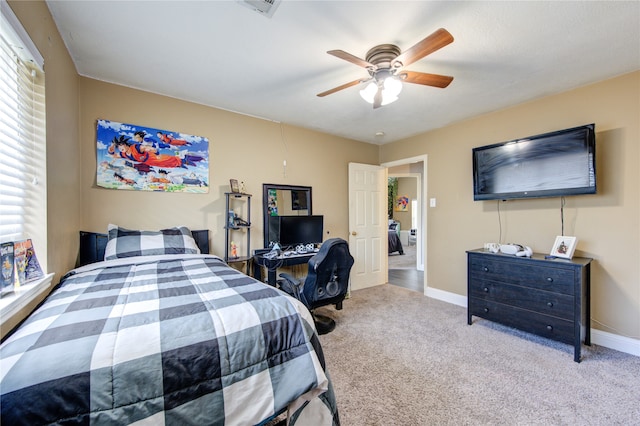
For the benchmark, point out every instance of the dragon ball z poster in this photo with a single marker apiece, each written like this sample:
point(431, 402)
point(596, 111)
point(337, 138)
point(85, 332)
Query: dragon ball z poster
point(142, 158)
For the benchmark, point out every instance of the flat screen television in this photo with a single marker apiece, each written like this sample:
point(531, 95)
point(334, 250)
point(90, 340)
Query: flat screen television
point(548, 165)
point(294, 230)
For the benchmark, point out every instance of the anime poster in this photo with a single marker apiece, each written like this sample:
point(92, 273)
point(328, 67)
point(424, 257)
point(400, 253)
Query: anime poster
point(146, 159)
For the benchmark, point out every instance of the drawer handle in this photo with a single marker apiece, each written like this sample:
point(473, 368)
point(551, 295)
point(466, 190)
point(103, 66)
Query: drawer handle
point(550, 279)
point(550, 304)
point(484, 268)
point(486, 289)
point(486, 310)
point(549, 327)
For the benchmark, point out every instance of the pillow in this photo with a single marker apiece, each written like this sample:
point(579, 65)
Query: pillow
point(128, 243)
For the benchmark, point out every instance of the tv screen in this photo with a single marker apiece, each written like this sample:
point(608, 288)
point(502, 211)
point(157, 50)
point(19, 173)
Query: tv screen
point(294, 230)
point(549, 165)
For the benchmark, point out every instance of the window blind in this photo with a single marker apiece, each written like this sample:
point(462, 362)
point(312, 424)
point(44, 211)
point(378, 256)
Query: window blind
point(22, 136)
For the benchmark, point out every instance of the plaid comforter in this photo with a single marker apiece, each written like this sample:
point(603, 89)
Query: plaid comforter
point(159, 340)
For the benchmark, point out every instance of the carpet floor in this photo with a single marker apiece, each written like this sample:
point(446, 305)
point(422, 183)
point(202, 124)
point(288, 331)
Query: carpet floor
point(397, 358)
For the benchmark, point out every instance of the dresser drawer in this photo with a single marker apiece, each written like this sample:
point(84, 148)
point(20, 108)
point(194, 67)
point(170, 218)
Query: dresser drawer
point(545, 302)
point(554, 279)
point(532, 322)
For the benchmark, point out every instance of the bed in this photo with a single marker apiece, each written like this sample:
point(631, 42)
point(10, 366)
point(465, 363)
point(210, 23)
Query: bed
point(394, 239)
point(160, 332)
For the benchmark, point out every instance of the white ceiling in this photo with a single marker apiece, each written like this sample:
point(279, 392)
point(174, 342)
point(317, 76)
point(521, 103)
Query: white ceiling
point(222, 54)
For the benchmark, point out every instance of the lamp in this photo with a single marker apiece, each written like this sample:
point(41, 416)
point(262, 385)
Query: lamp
point(391, 87)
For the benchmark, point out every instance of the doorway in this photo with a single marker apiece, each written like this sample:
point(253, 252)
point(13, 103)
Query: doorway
point(408, 214)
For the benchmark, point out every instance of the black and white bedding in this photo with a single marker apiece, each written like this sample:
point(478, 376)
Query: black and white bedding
point(394, 242)
point(165, 339)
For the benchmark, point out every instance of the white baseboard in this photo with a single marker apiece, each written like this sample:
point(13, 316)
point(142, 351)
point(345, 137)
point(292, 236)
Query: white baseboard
point(446, 296)
point(616, 342)
point(598, 337)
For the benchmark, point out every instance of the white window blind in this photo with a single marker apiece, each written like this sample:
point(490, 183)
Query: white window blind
point(22, 132)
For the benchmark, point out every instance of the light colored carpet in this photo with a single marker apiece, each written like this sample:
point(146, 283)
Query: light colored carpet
point(399, 358)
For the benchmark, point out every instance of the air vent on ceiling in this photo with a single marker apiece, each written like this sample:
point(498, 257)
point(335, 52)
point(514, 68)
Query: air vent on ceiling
point(263, 7)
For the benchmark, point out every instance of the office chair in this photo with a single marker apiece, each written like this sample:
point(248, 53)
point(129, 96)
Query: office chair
point(326, 283)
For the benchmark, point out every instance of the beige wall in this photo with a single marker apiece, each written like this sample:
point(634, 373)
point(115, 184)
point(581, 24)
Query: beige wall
point(607, 224)
point(241, 147)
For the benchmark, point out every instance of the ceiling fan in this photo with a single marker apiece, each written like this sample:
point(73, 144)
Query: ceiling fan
point(385, 64)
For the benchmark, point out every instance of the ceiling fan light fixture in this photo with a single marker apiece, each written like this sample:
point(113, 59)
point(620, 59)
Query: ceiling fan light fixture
point(369, 92)
point(391, 88)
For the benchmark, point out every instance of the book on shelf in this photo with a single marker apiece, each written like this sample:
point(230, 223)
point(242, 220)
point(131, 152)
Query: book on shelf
point(8, 282)
point(27, 265)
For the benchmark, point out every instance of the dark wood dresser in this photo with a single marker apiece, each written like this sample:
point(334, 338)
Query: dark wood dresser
point(546, 297)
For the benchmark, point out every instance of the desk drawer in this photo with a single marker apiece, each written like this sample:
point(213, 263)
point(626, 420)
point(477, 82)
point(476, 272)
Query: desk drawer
point(522, 319)
point(554, 279)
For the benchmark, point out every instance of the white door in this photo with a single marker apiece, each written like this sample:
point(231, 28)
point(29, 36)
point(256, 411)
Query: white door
point(368, 224)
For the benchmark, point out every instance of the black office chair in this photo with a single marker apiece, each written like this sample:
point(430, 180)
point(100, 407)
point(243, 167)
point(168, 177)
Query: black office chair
point(326, 283)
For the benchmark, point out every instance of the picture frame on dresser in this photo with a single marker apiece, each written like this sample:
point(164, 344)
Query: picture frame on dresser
point(564, 247)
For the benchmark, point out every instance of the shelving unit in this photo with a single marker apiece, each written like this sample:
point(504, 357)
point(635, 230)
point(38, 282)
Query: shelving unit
point(233, 199)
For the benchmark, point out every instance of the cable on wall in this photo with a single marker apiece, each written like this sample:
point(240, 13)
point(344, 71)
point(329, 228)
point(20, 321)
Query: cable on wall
point(562, 203)
point(499, 223)
point(284, 144)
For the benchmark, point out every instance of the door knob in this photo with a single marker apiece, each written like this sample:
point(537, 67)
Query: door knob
point(354, 233)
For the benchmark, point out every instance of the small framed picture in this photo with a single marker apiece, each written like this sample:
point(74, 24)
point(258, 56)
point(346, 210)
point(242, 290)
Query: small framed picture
point(402, 204)
point(234, 185)
point(564, 246)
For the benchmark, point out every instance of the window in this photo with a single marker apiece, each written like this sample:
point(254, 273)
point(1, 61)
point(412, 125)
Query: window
point(22, 131)
point(23, 196)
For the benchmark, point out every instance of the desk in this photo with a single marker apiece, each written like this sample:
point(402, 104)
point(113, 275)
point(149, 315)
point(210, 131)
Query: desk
point(273, 264)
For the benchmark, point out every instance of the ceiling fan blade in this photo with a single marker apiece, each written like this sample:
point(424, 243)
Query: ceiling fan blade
point(350, 58)
point(430, 44)
point(344, 86)
point(435, 80)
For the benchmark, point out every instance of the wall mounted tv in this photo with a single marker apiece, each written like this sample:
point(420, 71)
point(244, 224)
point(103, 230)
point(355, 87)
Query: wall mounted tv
point(553, 164)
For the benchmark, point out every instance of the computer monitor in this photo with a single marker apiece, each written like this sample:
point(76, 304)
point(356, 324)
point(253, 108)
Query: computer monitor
point(294, 230)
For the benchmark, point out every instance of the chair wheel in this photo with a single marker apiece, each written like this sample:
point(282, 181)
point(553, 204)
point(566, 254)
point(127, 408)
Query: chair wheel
point(324, 324)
